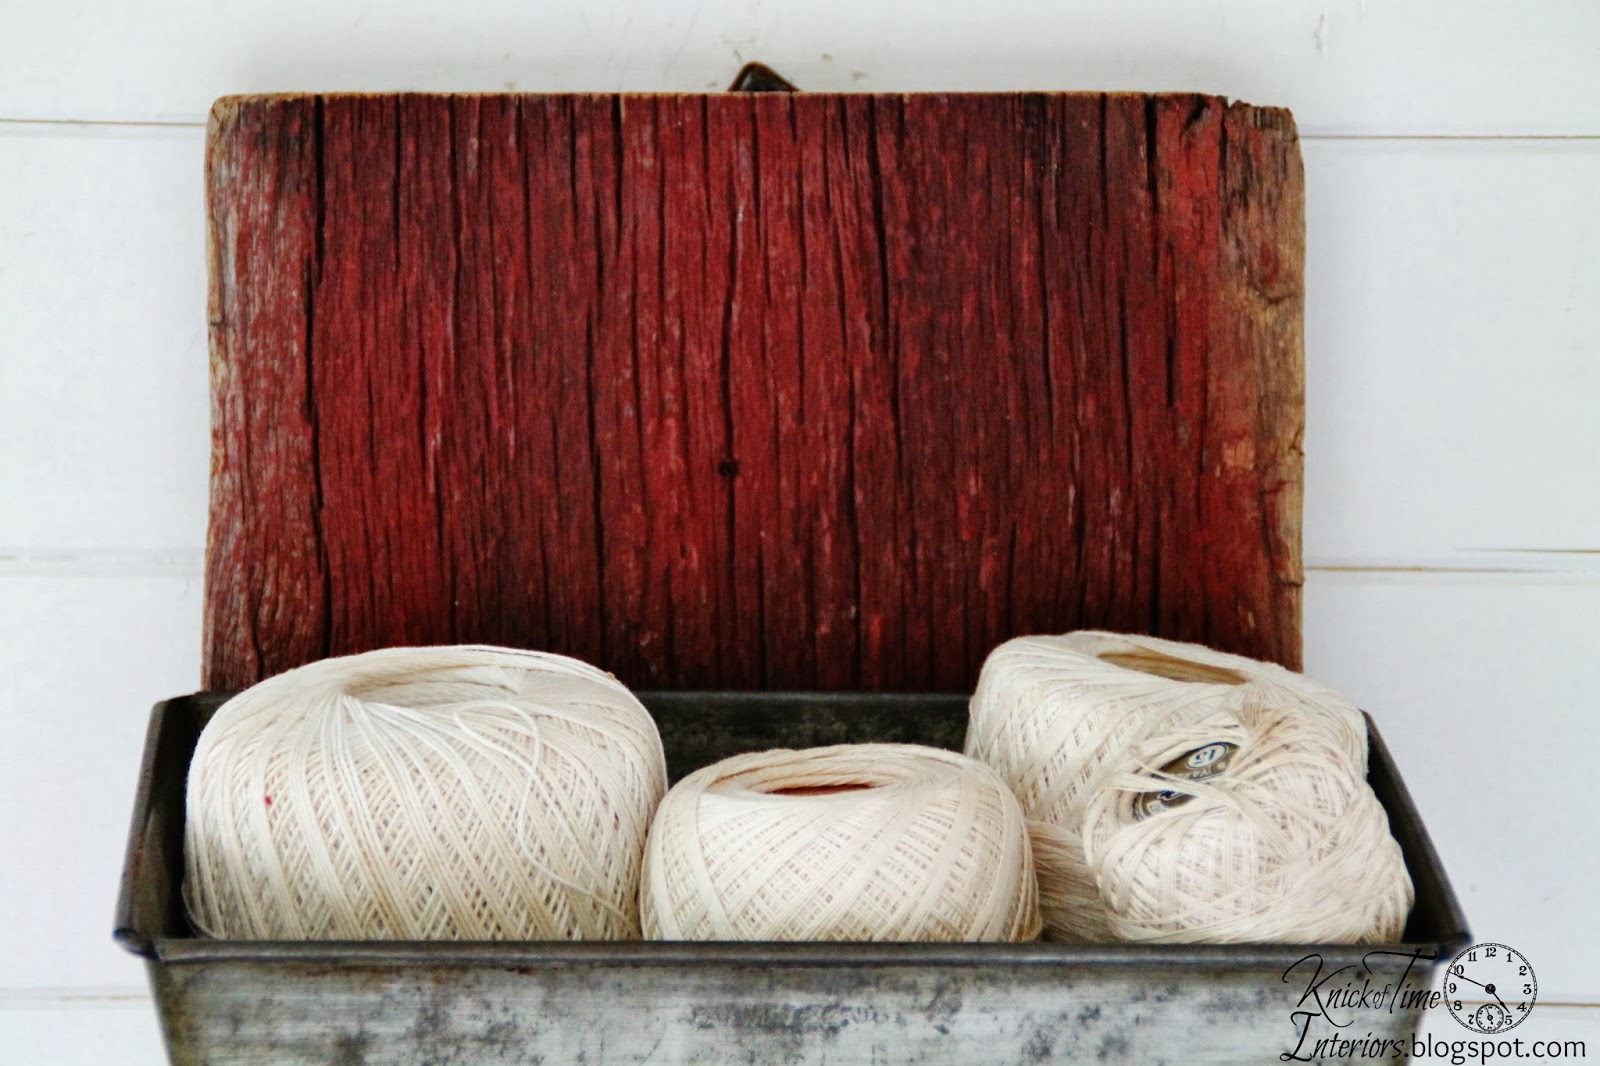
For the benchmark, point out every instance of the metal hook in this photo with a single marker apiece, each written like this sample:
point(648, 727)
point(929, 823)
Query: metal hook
point(760, 78)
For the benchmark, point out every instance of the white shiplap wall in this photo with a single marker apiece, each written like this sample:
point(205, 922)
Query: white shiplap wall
point(1453, 332)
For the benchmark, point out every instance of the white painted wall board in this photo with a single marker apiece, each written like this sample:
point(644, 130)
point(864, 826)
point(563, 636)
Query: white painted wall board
point(75, 1032)
point(104, 409)
point(1483, 686)
point(84, 660)
point(1345, 66)
point(1452, 349)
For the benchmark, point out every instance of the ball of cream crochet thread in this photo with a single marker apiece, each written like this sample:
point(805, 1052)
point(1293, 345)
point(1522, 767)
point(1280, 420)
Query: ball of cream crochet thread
point(451, 793)
point(888, 842)
point(1284, 843)
point(1059, 717)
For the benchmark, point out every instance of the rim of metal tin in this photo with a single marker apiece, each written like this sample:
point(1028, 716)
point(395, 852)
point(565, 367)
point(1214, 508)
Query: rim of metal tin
point(768, 953)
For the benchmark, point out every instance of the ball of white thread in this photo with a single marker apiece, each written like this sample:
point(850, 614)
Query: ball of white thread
point(901, 843)
point(1284, 844)
point(1057, 716)
point(457, 793)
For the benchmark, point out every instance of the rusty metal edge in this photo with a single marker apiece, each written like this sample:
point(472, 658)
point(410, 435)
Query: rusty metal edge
point(765, 954)
point(125, 931)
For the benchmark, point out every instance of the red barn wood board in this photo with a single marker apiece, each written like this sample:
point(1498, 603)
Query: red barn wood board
point(752, 390)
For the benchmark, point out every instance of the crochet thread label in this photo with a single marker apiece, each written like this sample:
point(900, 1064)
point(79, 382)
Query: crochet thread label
point(1209, 760)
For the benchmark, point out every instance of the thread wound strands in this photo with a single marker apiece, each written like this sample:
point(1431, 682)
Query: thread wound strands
point(456, 793)
point(888, 842)
point(1060, 717)
point(1285, 844)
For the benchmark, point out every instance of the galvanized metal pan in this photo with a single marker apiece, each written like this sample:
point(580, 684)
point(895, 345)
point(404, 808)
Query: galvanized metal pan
point(602, 1002)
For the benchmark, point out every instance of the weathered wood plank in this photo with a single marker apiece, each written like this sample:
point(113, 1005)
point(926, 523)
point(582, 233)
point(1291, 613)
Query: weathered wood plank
point(783, 391)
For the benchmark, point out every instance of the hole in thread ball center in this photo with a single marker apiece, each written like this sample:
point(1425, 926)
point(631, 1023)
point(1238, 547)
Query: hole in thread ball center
point(1159, 664)
point(818, 790)
point(429, 693)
